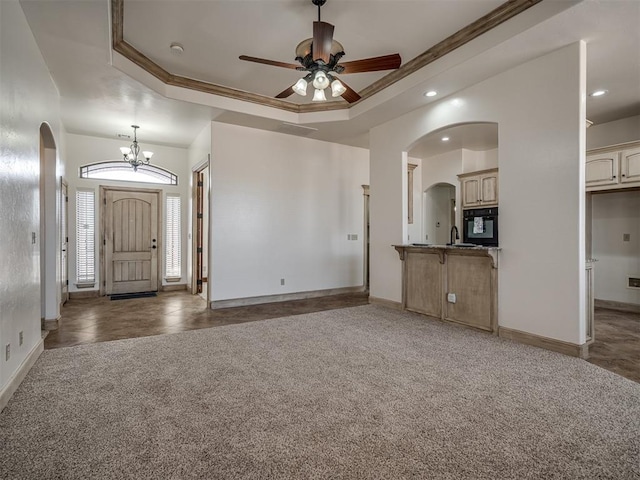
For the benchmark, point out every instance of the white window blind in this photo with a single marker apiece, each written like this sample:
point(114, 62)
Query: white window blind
point(173, 260)
point(85, 237)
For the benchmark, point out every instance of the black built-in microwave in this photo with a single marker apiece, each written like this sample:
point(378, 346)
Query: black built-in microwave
point(480, 226)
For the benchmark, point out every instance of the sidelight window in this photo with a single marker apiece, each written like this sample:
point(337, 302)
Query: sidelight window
point(85, 238)
point(173, 257)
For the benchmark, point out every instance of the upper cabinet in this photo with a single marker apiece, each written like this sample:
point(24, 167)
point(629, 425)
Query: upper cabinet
point(479, 189)
point(613, 168)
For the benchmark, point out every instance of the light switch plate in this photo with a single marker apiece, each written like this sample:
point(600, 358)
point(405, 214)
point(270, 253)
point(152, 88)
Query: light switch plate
point(451, 297)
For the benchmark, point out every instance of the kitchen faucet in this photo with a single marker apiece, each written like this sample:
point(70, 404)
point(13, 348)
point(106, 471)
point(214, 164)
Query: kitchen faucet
point(457, 235)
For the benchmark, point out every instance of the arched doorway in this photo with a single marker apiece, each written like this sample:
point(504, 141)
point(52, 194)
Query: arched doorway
point(445, 154)
point(439, 213)
point(50, 273)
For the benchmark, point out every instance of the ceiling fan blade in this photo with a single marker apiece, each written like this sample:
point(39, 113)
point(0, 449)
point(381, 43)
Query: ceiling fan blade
point(285, 93)
point(322, 41)
point(269, 62)
point(374, 64)
point(350, 95)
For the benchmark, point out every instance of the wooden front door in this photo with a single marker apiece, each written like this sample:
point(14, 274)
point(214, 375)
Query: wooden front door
point(131, 242)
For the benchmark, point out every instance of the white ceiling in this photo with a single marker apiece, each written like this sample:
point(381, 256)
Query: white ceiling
point(215, 34)
point(473, 136)
point(99, 99)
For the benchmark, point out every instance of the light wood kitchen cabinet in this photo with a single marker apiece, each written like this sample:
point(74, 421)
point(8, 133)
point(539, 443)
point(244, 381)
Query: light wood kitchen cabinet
point(457, 284)
point(613, 168)
point(479, 189)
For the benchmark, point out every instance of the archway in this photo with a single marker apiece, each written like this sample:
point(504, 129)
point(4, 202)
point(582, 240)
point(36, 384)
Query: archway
point(439, 213)
point(49, 234)
point(444, 154)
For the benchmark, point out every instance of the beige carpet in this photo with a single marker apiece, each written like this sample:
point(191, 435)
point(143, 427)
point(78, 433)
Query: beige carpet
point(364, 392)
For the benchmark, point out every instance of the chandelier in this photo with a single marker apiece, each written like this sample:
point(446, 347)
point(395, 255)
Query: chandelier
point(131, 154)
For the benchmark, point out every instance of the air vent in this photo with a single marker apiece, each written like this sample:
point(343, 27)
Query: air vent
point(293, 129)
point(123, 135)
point(634, 282)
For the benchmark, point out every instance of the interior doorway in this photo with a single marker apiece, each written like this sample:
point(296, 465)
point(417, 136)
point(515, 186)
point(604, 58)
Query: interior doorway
point(200, 230)
point(439, 209)
point(366, 241)
point(49, 231)
point(64, 242)
point(131, 242)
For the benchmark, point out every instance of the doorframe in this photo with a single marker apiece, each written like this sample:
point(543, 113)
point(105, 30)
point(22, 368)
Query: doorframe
point(64, 235)
point(103, 224)
point(365, 238)
point(198, 168)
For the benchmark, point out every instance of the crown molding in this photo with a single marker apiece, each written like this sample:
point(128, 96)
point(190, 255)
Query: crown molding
point(499, 15)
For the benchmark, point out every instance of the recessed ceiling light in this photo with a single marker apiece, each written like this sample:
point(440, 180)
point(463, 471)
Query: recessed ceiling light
point(431, 93)
point(598, 93)
point(176, 48)
point(445, 139)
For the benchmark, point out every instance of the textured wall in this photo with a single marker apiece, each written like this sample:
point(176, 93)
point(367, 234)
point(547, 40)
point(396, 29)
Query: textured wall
point(28, 98)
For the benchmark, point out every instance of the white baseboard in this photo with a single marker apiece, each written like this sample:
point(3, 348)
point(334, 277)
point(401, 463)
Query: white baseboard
point(241, 302)
point(18, 376)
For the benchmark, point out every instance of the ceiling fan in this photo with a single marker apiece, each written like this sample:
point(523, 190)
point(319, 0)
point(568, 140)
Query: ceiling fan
point(320, 56)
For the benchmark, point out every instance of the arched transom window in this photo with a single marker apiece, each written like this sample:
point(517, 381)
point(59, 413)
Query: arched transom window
point(122, 171)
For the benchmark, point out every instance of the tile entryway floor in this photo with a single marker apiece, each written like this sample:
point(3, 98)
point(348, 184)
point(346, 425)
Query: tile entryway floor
point(91, 320)
point(617, 342)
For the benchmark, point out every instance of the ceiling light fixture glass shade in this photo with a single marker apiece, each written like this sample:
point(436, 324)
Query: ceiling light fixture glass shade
point(301, 87)
point(321, 81)
point(318, 96)
point(131, 154)
point(337, 88)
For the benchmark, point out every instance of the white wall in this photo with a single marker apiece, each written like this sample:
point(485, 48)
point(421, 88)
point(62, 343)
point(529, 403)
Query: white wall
point(613, 133)
point(613, 215)
point(539, 107)
point(282, 207)
point(83, 150)
point(473, 161)
point(28, 98)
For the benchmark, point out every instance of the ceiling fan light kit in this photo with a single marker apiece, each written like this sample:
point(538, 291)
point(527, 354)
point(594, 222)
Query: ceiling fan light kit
point(319, 56)
point(301, 87)
point(318, 96)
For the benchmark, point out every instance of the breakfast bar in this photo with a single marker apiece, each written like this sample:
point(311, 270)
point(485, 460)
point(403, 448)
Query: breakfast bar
point(455, 283)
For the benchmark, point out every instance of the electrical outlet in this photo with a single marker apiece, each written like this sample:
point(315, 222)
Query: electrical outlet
point(7, 352)
point(451, 297)
point(21, 337)
point(282, 281)
point(626, 237)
